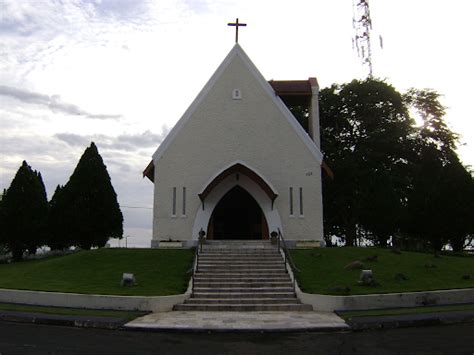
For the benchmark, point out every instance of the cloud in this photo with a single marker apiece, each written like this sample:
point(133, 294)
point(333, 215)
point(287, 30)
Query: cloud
point(123, 142)
point(54, 103)
point(74, 140)
point(198, 6)
point(120, 9)
point(27, 17)
point(146, 139)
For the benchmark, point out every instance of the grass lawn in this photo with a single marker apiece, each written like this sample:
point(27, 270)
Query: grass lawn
point(323, 269)
point(128, 315)
point(405, 311)
point(158, 272)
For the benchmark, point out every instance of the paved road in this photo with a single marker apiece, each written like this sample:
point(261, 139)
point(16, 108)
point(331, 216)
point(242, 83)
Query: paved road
point(16, 338)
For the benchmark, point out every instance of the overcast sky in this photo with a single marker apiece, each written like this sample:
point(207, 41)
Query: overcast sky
point(122, 72)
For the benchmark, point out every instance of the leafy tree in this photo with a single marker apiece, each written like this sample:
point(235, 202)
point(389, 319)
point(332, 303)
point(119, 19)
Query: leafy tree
point(440, 204)
point(366, 139)
point(24, 212)
point(91, 209)
point(460, 212)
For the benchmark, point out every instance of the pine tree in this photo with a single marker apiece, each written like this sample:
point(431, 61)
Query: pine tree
point(24, 212)
point(91, 209)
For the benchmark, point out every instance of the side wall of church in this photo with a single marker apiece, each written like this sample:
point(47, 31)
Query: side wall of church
point(223, 130)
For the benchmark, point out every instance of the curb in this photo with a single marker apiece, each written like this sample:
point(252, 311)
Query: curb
point(63, 320)
point(354, 324)
point(239, 330)
point(411, 320)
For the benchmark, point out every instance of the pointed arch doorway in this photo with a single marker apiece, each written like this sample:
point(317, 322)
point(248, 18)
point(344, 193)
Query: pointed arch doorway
point(237, 216)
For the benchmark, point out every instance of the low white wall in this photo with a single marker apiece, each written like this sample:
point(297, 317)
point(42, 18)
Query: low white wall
point(76, 300)
point(328, 303)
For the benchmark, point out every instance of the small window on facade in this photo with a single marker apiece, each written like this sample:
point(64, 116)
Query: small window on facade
point(236, 94)
point(301, 201)
point(174, 202)
point(184, 201)
point(291, 201)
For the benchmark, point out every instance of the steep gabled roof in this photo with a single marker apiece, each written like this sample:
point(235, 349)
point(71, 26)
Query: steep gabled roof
point(236, 51)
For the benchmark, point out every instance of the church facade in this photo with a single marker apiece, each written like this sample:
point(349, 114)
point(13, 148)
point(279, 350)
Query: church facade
point(238, 164)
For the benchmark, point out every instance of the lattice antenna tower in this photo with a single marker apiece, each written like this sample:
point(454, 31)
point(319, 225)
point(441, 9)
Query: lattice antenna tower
point(362, 24)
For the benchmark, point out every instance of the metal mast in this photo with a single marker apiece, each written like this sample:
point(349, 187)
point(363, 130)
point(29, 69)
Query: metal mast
point(362, 24)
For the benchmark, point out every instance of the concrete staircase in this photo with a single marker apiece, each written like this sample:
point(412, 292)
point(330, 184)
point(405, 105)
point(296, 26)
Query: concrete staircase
point(242, 276)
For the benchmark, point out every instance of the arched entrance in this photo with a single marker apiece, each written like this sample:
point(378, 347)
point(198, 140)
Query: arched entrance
point(237, 216)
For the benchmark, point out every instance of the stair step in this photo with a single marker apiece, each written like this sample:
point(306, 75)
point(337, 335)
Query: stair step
point(247, 259)
point(243, 295)
point(242, 255)
point(242, 307)
point(224, 275)
point(240, 251)
point(282, 300)
point(260, 272)
point(258, 284)
point(243, 268)
point(243, 289)
point(268, 263)
point(241, 278)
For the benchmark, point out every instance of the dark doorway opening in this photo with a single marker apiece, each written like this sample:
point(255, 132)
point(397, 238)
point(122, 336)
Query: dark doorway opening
point(237, 216)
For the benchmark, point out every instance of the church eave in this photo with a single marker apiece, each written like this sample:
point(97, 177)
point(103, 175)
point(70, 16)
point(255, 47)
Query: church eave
point(149, 171)
point(291, 87)
point(239, 168)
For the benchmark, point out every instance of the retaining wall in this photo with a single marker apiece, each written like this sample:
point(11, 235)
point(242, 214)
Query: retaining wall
point(326, 303)
point(76, 300)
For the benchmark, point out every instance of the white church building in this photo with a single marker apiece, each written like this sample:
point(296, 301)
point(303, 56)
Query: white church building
point(238, 164)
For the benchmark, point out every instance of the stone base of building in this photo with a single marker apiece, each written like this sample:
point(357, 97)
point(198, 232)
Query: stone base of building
point(299, 244)
point(166, 244)
point(302, 244)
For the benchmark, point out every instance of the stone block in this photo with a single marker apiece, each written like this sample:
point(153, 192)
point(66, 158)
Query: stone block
point(128, 280)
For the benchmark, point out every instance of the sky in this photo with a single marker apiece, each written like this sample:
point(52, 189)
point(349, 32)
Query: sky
point(122, 72)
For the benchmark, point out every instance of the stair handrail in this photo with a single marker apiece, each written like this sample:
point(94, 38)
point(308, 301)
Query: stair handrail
point(282, 246)
point(195, 261)
point(197, 251)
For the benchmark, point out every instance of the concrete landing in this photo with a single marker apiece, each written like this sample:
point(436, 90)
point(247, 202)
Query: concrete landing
point(239, 322)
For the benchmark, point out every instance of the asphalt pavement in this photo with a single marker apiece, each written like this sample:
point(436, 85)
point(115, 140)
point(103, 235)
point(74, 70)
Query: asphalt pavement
point(21, 338)
point(243, 322)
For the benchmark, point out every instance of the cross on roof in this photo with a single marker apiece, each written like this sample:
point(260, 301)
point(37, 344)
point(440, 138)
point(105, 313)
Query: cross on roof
point(237, 25)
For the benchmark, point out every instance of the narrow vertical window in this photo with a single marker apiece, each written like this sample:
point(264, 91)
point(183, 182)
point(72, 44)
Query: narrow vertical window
point(301, 201)
point(291, 201)
point(174, 202)
point(184, 201)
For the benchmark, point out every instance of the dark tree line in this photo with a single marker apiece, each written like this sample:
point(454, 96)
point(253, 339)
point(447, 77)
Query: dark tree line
point(84, 212)
point(392, 177)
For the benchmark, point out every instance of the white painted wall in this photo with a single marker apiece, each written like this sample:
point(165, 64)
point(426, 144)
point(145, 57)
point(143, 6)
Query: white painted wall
point(218, 130)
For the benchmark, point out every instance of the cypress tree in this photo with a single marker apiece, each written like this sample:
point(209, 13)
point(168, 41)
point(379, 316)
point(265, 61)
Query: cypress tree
point(24, 212)
point(90, 203)
point(59, 221)
point(2, 222)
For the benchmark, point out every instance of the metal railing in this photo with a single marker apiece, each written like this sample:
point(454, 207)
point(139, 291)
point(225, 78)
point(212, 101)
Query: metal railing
point(288, 260)
point(195, 266)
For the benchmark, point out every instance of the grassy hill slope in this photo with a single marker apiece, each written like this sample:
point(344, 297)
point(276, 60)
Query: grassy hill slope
point(158, 272)
point(323, 270)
